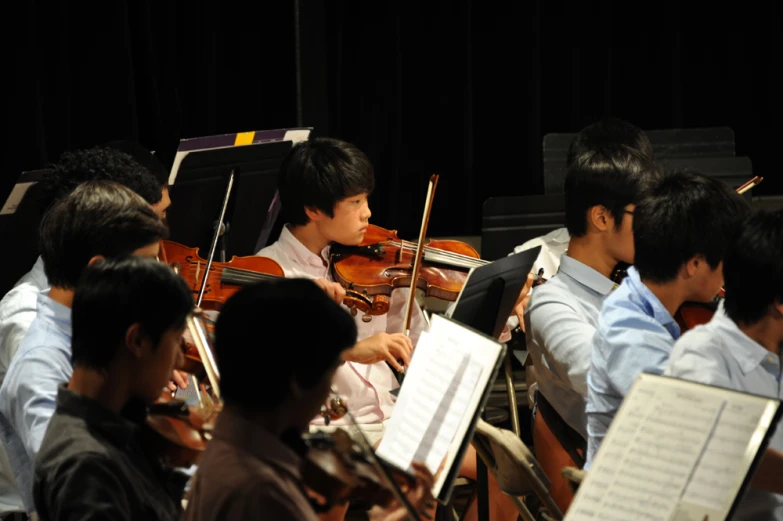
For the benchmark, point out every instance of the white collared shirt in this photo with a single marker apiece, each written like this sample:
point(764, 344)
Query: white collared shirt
point(720, 354)
point(364, 386)
point(553, 245)
point(560, 321)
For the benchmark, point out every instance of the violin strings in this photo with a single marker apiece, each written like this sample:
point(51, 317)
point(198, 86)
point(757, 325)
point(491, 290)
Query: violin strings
point(465, 260)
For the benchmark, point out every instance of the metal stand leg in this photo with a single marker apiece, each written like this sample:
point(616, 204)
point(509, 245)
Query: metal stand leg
point(513, 412)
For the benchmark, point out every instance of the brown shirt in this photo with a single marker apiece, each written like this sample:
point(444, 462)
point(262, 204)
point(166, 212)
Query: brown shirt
point(247, 473)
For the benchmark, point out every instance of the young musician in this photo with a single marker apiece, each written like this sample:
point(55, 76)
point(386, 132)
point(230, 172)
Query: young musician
point(18, 306)
point(324, 185)
point(252, 467)
point(680, 231)
point(602, 187)
point(740, 347)
point(98, 219)
point(128, 318)
point(609, 132)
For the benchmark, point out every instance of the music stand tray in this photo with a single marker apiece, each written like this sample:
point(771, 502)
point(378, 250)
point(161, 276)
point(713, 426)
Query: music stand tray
point(199, 184)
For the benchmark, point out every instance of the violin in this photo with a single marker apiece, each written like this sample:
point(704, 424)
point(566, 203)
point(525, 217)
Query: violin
point(383, 262)
point(336, 469)
point(176, 432)
point(226, 278)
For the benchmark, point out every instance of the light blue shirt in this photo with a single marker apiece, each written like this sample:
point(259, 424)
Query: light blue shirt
point(17, 311)
point(719, 354)
point(635, 335)
point(560, 322)
point(29, 392)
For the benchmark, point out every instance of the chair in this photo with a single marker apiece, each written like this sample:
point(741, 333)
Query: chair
point(515, 468)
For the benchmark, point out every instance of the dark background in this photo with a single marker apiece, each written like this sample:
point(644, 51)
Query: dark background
point(460, 88)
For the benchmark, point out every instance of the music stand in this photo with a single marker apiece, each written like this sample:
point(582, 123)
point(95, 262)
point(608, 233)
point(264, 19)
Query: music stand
point(230, 175)
point(491, 291)
point(20, 217)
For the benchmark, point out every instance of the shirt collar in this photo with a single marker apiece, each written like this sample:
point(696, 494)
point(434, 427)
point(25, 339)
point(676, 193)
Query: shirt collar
point(585, 275)
point(652, 305)
point(299, 251)
point(54, 312)
point(112, 426)
point(241, 433)
point(748, 353)
point(38, 274)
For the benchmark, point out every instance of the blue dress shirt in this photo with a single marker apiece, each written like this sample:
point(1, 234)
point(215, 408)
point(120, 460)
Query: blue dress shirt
point(29, 392)
point(635, 335)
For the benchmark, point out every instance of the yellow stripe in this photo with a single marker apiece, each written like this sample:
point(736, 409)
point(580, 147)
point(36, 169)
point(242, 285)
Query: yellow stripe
point(244, 138)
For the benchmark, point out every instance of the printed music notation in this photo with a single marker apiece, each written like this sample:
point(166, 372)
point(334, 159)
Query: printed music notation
point(427, 416)
point(676, 450)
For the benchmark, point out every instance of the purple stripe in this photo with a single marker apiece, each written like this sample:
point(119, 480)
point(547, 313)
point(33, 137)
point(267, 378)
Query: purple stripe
point(227, 140)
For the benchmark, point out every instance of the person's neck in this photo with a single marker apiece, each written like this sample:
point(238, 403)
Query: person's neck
point(671, 294)
point(62, 296)
point(105, 387)
point(589, 251)
point(767, 332)
point(275, 421)
point(309, 235)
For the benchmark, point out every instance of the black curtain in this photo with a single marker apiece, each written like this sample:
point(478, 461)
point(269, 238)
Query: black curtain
point(460, 88)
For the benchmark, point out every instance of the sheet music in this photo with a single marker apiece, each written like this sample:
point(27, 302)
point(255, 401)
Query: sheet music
point(716, 478)
point(427, 416)
point(443, 389)
point(676, 451)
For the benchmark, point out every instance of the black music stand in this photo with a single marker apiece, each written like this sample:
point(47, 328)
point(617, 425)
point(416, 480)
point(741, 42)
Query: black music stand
point(491, 291)
point(20, 217)
point(202, 188)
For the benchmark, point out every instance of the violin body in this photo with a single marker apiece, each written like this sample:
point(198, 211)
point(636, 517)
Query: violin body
point(336, 470)
point(692, 314)
point(382, 262)
point(224, 278)
point(176, 432)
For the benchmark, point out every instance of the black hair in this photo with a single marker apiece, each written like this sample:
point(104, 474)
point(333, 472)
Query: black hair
point(113, 294)
point(318, 174)
point(97, 218)
point(609, 132)
point(96, 164)
point(305, 357)
point(686, 214)
point(144, 157)
point(756, 251)
point(612, 176)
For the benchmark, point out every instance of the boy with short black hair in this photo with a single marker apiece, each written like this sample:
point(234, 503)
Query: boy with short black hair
point(680, 231)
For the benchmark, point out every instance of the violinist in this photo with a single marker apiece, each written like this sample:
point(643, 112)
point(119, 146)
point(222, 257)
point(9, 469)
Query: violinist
point(252, 468)
point(602, 187)
point(680, 231)
point(740, 348)
point(324, 185)
point(98, 219)
point(128, 318)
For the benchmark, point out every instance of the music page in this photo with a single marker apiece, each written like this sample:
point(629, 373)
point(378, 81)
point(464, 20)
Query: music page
point(677, 451)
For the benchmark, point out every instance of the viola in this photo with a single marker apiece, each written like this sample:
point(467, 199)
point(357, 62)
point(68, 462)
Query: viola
point(383, 262)
point(692, 314)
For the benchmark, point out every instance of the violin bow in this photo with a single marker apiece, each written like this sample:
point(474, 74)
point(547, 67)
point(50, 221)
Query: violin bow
point(199, 334)
point(419, 253)
point(750, 184)
point(369, 452)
